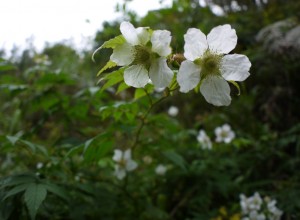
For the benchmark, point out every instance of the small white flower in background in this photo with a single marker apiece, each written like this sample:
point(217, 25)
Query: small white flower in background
point(224, 134)
point(255, 202)
point(256, 208)
point(39, 165)
point(147, 160)
point(207, 66)
point(274, 211)
point(124, 163)
point(144, 62)
point(173, 111)
point(204, 139)
point(161, 169)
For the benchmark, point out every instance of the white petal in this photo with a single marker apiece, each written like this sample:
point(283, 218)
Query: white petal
point(226, 128)
point(216, 91)
point(222, 39)
point(119, 172)
point(160, 74)
point(143, 35)
point(235, 67)
point(161, 42)
point(129, 33)
point(136, 76)
point(122, 54)
point(195, 44)
point(131, 165)
point(127, 154)
point(188, 76)
point(117, 155)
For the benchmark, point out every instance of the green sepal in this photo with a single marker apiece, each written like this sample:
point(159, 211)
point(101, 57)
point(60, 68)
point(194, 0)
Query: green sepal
point(108, 65)
point(112, 43)
point(236, 86)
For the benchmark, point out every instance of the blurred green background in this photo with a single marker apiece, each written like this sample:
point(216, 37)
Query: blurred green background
point(58, 129)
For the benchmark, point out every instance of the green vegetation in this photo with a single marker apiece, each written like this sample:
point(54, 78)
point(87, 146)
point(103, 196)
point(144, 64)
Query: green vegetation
point(60, 125)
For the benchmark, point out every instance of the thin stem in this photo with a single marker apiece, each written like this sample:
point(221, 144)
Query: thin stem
point(143, 119)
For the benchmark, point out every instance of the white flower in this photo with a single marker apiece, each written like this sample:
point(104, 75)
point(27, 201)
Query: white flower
point(207, 66)
point(274, 211)
point(161, 170)
point(254, 215)
point(255, 202)
point(124, 163)
point(145, 62)
point(173, 111)
point(204, 140)
point(224, 134)
point(39, 165)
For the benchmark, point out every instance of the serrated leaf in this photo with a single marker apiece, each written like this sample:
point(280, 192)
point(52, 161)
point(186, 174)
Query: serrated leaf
point(112, 43)
point(17, 189)
point(176, 159)
point(59, 191)
point(34, 195)
point(16, 180)
point(236, 86)
point(113, 79)
point(108, 65)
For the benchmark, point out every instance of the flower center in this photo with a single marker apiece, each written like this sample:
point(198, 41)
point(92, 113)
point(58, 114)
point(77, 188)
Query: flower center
point(210, 64)
point(142, 55)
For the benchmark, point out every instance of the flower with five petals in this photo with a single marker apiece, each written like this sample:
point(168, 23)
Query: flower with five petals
point(207, 65)
point(145, 53)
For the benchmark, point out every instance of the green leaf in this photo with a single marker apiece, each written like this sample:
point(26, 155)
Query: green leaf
point(112, 79)
point(17, 180)
point(17, 189)
point(97, 147)
point(236, 86)
point(12, 139)
point(59, 191)
point(139, 93)
point(112, 43)
point(108, 65)
point(122, 86)
point(35, 147)
point(175, 158)
point(34, 196)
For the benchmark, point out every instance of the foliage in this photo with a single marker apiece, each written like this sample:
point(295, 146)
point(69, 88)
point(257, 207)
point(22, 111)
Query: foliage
point(59, 129)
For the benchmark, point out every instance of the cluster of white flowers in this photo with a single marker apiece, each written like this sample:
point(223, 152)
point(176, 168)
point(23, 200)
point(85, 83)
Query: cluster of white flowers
point(223, 134)
point(256, 208)
point(207, 65)
point(124, 163)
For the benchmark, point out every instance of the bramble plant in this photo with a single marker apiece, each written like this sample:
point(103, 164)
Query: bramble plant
point(161, 133)
point(147, 63)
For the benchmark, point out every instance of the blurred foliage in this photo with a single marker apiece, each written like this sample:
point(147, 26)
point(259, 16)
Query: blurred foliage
point(58, 127)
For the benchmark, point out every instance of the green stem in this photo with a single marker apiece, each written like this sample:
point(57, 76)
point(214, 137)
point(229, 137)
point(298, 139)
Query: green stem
point(143, 119)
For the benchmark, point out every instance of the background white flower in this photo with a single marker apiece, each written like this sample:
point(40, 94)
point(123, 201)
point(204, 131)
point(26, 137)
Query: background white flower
point(224, 134)
point(124, 163)
point(255, 208)
point(144, 62)
point(204, 139)
point(161, 169)
point(206, 64)
point(173, 111)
